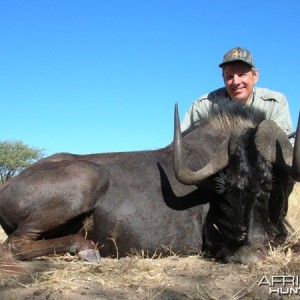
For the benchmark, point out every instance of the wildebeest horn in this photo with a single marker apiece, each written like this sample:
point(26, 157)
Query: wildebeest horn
point(295, 173)
point(273, 144)
point(182, 172)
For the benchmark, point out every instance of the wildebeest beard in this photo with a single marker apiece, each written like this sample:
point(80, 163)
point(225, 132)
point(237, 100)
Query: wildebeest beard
point(239, 212)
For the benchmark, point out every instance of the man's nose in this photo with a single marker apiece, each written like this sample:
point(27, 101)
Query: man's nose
point(235, 79)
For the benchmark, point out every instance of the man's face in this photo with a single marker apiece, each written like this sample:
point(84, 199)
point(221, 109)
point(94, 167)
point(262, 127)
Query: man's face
point(239, 80)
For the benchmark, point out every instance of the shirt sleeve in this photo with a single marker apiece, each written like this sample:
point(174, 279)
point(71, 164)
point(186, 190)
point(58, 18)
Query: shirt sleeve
point(197, 111)
point(276, 106)
point(282, 116)
point(279, 112)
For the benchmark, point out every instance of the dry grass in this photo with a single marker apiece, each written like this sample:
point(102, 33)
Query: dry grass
point(294, 208)
point(139, 277)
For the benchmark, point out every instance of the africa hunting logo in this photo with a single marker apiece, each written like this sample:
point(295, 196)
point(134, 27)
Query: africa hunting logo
point(281, 285)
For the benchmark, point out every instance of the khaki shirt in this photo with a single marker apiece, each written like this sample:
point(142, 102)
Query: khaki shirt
point(274, 104)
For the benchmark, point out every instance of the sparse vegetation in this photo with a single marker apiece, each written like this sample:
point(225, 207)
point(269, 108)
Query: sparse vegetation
point(142, 277)
point(16, 156)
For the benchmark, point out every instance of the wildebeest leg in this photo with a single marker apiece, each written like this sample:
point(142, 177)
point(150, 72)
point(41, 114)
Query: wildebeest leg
point(25, 247)
point(57, 234)
point(47, 213)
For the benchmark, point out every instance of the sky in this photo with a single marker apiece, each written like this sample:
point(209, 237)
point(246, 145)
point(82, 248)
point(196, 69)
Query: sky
point(92, 76)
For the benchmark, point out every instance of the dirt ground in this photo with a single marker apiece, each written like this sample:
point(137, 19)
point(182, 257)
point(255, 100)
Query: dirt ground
point(169, 278)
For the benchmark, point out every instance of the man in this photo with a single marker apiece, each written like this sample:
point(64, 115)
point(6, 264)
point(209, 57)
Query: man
point(240, 75)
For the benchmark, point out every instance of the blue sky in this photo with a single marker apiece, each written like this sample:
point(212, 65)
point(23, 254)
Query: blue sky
point(86, 76)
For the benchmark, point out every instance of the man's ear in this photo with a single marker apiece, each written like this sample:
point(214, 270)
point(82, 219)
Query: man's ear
point(256, 76)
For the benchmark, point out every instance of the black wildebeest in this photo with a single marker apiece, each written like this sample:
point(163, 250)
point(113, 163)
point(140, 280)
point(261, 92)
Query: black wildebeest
point(222, 187)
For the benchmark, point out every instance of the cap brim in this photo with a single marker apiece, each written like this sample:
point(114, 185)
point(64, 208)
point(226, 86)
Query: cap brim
point(233, 61)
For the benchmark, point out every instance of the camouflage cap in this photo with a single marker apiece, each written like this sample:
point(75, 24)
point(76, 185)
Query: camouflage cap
point(238, 54)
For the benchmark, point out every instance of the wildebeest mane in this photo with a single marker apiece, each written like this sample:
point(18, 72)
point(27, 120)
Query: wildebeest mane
point(227, 114)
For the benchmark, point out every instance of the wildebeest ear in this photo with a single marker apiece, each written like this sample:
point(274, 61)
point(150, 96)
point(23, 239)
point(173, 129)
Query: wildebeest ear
point(273, 144)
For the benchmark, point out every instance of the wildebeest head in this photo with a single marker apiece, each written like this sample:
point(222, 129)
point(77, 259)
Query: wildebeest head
point(253, 161)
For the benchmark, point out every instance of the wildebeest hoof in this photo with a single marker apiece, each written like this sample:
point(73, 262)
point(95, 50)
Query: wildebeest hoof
point(90, 255)
point(73, 250)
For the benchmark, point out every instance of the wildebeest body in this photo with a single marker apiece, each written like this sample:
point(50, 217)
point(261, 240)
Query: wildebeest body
point(121, 190)
point(221, 188)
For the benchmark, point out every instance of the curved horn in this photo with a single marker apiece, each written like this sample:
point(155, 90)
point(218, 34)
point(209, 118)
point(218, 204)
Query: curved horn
point(272, 143)
point(295, 173)
point(182, 172)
